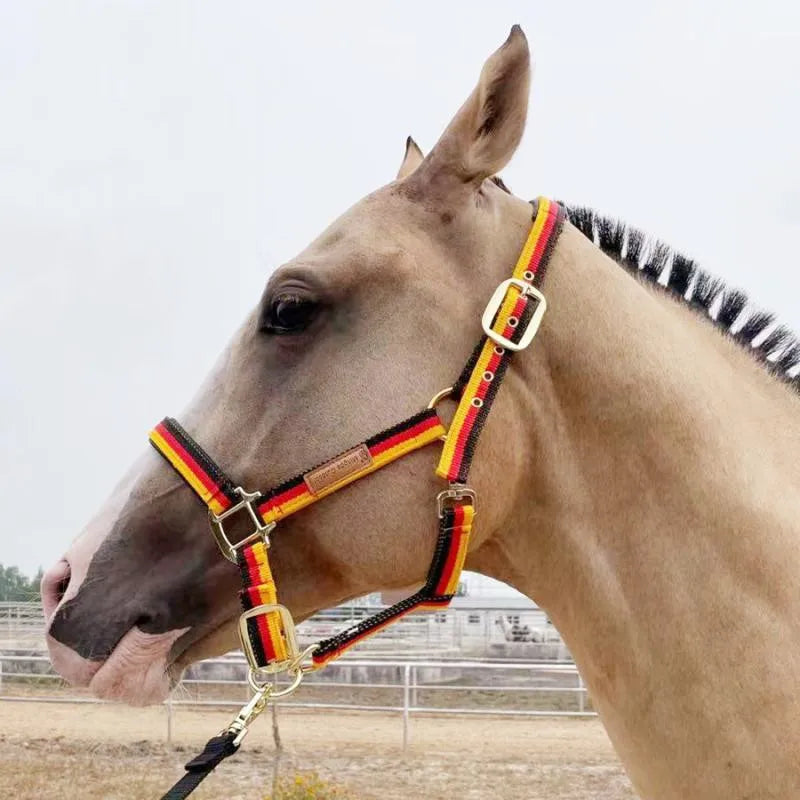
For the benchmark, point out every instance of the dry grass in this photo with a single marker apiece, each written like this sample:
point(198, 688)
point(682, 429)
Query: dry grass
point(61, 752)
point(308, 786)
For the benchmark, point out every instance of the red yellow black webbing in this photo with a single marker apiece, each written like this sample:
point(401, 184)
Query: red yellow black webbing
point(452, 542)
point(476, 388)
point(389, 445)
point(267, 642)
point(265, 631)
point(487, 366)
point(194, 465)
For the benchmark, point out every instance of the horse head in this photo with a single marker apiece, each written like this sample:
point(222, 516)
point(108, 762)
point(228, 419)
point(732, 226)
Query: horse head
point(357, 331)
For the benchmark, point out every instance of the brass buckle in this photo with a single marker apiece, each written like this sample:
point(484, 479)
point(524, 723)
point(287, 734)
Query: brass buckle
point(262, 530)
point(457, 491)
point(493, 306)
point(289, 634)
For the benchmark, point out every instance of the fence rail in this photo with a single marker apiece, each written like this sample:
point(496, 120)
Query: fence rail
point(468, 660)
point(473, 631)
point(397, 686)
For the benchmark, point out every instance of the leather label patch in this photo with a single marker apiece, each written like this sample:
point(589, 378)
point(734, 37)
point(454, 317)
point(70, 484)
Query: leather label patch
point(338, 469)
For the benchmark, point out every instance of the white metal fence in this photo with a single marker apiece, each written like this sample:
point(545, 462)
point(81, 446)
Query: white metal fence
point(468, 660)
point(476, 632)
point(403, 687)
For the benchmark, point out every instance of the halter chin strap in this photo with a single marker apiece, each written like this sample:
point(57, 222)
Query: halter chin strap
point(266, 629)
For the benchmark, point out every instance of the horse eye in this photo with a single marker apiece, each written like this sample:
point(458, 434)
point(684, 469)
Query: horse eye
point(288, 314)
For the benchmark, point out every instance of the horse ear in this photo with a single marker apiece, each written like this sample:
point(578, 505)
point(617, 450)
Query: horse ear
point(411, 160)
point(483, 135)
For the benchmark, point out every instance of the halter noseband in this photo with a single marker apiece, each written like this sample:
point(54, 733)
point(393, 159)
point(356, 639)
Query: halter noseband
point(266, 628)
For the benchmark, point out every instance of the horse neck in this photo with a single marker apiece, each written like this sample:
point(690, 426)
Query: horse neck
point(654, 497)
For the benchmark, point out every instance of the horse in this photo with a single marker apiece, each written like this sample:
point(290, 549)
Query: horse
point(637, 477)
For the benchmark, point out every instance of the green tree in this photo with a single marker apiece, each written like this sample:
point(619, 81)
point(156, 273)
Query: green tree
point(17, 587)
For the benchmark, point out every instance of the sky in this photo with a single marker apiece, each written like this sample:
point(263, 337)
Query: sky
point(158, 160)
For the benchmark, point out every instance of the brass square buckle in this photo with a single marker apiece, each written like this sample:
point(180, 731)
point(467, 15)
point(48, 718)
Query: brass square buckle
point(262, 530)
point(289, 635)
point(457, 492)
point(493, 307)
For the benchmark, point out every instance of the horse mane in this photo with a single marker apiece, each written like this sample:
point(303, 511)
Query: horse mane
point(773, 345)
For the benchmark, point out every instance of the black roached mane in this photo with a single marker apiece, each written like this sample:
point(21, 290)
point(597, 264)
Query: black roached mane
point(731, 310)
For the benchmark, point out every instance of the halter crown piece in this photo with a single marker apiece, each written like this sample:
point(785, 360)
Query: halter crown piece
point(266, 628)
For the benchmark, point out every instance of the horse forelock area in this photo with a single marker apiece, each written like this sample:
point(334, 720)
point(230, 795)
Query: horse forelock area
point(772, 344)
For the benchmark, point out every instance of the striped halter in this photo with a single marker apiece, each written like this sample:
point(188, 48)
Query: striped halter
point(266, 628)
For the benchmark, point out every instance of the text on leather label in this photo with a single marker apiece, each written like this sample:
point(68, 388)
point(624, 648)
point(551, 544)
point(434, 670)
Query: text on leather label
point(338, 469)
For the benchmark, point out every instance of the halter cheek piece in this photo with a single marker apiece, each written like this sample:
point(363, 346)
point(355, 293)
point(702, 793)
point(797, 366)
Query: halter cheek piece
point(266, 628)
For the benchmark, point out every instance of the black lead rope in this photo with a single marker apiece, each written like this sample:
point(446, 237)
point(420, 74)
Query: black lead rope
point(216, 751)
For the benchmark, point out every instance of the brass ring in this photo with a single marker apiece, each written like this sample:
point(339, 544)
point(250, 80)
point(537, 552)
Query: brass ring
point(436, 399)
point(292, 687)
point(307, 653)
point(439, 396)
point(257, 686)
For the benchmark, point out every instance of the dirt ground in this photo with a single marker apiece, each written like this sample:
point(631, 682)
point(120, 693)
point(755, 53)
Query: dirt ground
point(58, 751)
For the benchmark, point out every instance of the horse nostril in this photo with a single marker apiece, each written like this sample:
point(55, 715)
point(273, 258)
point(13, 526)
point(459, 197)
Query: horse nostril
point(55, 583)
point(143, 621)
point(61, 586)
